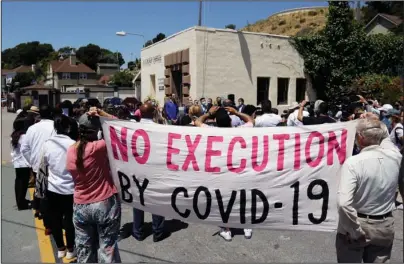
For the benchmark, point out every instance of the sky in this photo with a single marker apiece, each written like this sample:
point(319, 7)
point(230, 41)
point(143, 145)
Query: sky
point(77, 24)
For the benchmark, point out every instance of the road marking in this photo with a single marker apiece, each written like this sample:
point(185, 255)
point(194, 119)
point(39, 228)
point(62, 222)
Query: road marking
point(44, 242)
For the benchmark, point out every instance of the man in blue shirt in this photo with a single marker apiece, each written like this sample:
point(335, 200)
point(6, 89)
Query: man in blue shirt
point(171, 109)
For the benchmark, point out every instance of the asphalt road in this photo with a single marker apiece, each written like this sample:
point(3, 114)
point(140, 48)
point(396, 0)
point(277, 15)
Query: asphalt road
point(23, 240)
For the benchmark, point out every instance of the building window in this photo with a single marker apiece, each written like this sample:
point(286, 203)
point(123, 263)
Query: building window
point(300, 89)
point(66, 76)
point(283, 85)
point(83, 76)
point(262, 89)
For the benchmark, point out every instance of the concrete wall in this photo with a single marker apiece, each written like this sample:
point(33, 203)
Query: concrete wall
point(179, 41)
point(229, 62)
point(226, 62)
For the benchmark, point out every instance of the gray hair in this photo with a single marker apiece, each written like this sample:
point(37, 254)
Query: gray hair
point(372, 131)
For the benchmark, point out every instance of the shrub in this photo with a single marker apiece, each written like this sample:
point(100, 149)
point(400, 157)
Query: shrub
point(297, 26)
point(274, 27)
point(387, 88)
point(312, 24)
point(282, 22)
point(312, 13)
point(302, 20)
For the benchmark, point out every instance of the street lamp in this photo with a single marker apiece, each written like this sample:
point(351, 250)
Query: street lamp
point(123, 34)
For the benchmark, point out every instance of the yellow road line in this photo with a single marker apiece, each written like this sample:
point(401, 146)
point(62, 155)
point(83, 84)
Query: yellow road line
point(44, 242)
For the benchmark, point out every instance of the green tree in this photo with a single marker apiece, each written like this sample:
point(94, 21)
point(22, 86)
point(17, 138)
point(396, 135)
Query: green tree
point(331, 57)
point(26, 54)
point(65, 51)
point(108, 56)
point(372, 8)
point(131, 65)
point(122, 79)
point(22, 80)
point(148, 43)
point(89, 55)
point(160, 36)
point(230, 26)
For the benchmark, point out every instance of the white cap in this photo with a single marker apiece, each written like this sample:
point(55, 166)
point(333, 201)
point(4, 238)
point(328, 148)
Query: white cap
point(18, 111)
point(386, 107)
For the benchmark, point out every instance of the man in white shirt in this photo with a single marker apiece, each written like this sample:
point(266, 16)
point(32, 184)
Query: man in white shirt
point(268, 119)
point(31, 149)
point(366, 196)
point(35, 138)
point(292, 119)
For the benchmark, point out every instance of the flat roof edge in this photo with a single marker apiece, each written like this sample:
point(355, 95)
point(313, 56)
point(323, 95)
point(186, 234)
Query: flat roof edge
point(169, 37)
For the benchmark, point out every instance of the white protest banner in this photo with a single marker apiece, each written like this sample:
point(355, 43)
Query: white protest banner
point(277, 178)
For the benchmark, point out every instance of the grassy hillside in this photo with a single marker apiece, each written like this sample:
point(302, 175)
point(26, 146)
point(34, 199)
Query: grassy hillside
point(299, 22)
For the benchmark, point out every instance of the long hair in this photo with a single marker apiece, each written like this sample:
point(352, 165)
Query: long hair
point(20, 128)
point(86, 135)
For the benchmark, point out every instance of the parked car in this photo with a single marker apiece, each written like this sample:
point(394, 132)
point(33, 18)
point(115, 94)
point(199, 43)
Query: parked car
point(91, 101)
point(115, 101)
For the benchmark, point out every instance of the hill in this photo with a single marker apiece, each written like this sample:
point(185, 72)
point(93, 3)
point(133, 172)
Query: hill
point(292, 22)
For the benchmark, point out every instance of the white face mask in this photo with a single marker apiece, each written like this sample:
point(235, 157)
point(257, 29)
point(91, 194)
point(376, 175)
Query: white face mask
point(99, 135)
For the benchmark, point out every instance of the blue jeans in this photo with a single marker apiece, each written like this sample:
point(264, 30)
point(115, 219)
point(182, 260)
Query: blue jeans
point(138, 224)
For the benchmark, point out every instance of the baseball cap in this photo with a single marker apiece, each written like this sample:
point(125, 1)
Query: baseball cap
point(91, 122)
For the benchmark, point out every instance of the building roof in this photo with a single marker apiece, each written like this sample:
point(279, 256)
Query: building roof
point(392, 19)
point(108, 65)
point(22, 68)
point(39, 86)
point(65, 66)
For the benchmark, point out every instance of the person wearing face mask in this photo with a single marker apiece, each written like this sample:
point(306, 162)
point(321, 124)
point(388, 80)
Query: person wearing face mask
point(203, 105)
point(97, 208)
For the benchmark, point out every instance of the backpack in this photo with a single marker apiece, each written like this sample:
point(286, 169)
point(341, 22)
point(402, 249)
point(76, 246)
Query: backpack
point(41, 182)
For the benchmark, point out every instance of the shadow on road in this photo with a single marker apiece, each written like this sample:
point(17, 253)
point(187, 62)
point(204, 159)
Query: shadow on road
point(170, 226)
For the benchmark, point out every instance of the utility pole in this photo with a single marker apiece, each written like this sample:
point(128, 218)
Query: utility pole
point(200, 13)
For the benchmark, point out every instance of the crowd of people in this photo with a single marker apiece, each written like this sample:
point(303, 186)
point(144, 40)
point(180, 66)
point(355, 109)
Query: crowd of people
point(65, 145)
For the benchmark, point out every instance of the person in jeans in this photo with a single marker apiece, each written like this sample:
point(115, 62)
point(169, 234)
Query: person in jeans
point(97, 208)
point(21, 165)
point(366, 196)
point(60, 185)
point(147, 111)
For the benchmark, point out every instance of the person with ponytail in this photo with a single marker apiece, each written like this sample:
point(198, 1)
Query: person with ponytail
point(97, 208)
point(60, 185)
point(21, 165)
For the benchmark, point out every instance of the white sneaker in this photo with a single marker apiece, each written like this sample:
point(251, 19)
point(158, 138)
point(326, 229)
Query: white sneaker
point(225, 234)
point(247, 233)
point(400, 207)
point(61, 253)
point(71, 255)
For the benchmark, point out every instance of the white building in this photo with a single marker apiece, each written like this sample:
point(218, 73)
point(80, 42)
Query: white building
point(207, 62)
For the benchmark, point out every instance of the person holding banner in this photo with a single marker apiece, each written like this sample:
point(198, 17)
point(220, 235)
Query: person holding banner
point(147, 111)
point(223, 120)
point(366, 196)
point(97, 207)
